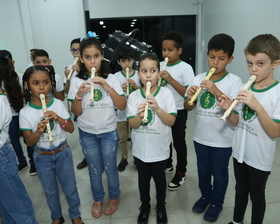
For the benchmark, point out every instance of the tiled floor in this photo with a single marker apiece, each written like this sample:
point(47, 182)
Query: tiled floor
point(179, 203)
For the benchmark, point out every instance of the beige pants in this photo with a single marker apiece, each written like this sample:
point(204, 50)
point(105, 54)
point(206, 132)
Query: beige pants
point(123, 135)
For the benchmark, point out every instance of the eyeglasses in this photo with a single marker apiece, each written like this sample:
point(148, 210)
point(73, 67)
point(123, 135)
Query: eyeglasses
point(74, 51)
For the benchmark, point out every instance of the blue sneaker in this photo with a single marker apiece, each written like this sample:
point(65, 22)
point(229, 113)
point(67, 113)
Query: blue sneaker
point(201, 205)
point(212, 213)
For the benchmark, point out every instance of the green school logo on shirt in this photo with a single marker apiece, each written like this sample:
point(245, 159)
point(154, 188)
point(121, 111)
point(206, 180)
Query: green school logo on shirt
point(150, 118)
point(163, 82)
point(207, 100)
point(98, 95)
point(247, 113)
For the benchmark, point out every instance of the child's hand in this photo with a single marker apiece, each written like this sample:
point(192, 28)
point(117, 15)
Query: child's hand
point(66, 71)
point(209, 85)
point(141, 110)
point(41, 126)
point(224, 101)
point(101, 82)
point(49, 114)
point(132, 83)
point(124, 86)
point(76, 67)
point(165, 75)
point(84, 87)
point(191, 91)
point(152, 103)
point(248, 98)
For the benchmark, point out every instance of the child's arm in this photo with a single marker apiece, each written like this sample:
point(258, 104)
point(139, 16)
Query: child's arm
point(31, 138)
point(166, 118)
point(225, 102)
point(190, 92)
point(76, 105)
point(271, 127)
point(118, 100)
point(136, 121)
point(176, 85)
point(67, 84)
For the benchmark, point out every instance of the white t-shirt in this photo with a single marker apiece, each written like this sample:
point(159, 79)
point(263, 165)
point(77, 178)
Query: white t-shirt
point(100, 116)
point(59, 85)
point(182, 72)
point(121, 114)
point(151, 140)
point(30, 115)
point(250, 143)
point(5, 119)
point(208, 128)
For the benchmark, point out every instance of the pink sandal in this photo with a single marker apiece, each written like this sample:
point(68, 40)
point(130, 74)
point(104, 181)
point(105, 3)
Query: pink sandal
point(96, 213)
point(111, 210)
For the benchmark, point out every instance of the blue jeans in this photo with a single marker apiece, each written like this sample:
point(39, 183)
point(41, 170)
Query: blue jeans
point(15, 204)
point(212, 161)
point(101, 154)
point(14, 137)
point(51, 168)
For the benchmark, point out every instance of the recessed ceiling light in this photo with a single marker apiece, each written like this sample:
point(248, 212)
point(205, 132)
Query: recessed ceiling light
point(104, 26)
point(101, 22)
point(132, 25)
point(134, 20)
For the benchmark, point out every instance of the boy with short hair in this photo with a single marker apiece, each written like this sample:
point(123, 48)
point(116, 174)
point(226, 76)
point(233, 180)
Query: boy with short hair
point(257, 122)
point(177, 77)
point(212, 137)
point(75, 51)
point(41, 57)
point(125, 58)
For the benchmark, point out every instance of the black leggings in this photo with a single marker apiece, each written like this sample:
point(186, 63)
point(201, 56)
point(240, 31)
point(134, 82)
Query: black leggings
point(249, 181)
point(145, 172)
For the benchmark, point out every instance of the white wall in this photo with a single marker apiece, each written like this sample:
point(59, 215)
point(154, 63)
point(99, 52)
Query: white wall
point(52, 24)
point(130, 8)
point(243, 20)
point(46, 24)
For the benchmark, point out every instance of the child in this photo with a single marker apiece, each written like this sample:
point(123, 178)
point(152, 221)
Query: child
point(14, 128)
point(75, 50)
point(213, 144)
point(257, 127)
point(97, 122)
point(125, 58)
point(151, 140)
point(41, 57)
point(53, 160)
point(15, 204)
point(177, 77)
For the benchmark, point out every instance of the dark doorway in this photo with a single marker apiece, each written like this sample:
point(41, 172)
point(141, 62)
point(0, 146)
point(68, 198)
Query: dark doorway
point(151, 31)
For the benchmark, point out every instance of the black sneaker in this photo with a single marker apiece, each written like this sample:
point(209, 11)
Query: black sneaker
point(82, 164)
point(123, 163)
point(178, 180)
point(33, 170)
point(161, 213)
point(22, 167)
point(145, 209)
